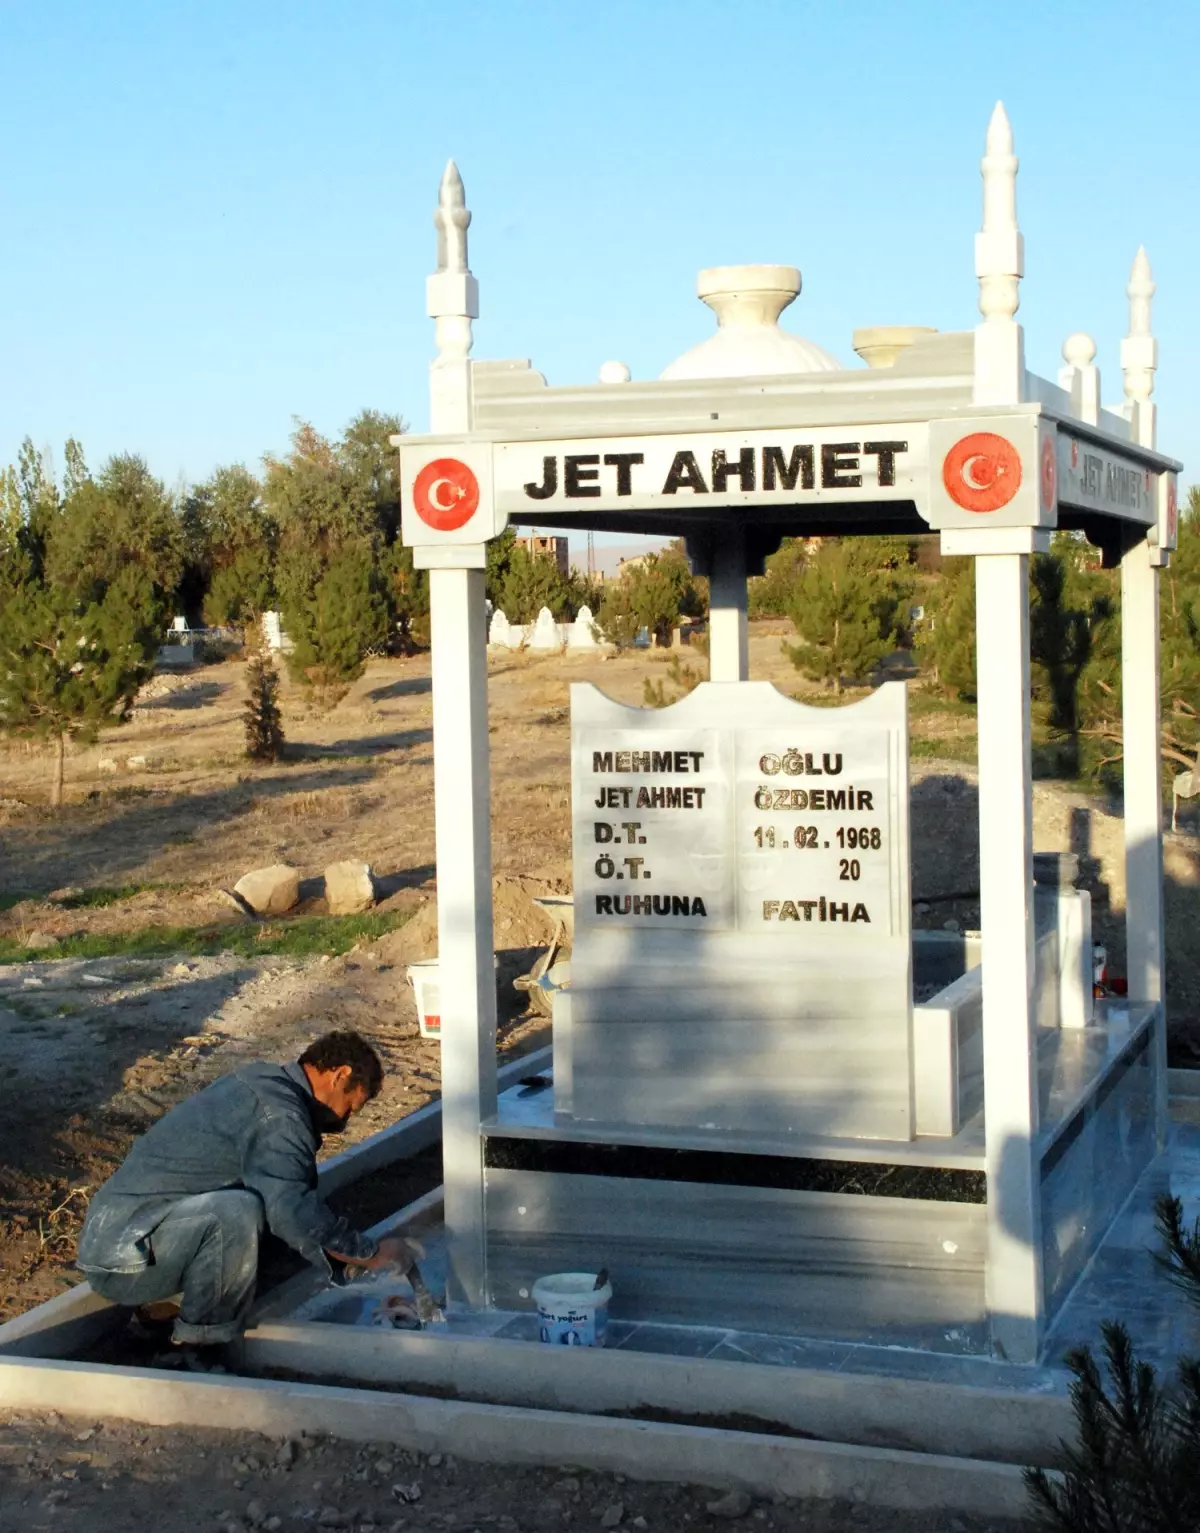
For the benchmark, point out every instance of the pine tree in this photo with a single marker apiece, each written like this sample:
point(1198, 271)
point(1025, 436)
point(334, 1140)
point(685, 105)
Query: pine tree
point(1133, 1469)
point(653, 595)
point(262, 718)
point(1179, 617)
point(1060, 645)
point(946, 643)
point(337, 507)
point(849, 610)
point(772, 593)
point(229, 576)
point(684, 677)
point(347, 619)
point(83, 590)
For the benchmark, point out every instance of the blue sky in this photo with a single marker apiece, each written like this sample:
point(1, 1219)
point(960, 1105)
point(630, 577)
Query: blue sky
point(218, 214)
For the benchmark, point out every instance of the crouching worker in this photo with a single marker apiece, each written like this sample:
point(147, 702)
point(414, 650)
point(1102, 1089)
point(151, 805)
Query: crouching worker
point(184, 1213)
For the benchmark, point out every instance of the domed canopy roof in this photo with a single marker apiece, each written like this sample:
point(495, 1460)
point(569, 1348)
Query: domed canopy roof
point(748, 301)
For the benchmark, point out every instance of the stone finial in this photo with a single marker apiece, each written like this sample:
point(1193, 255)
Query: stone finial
point(999, 248)
point(1139, 349)
point(1080, 377)
point(614, 372)
point(999, 266)
point(452, 219)
point(452, 293)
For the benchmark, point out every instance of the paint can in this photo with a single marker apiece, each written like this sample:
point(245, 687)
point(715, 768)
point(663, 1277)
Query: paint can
point(572, 1311)
point(423, 978)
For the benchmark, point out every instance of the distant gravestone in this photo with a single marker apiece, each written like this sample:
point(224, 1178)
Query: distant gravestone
point(545, 633)
point(581, 634)
point(273, 633)
point(500, 632)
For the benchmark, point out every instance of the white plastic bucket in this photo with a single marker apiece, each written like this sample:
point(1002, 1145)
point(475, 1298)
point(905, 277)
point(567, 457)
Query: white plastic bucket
point(423, 977)
point(573, 1312)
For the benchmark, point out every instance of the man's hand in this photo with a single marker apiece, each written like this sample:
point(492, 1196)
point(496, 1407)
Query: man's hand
point(398, 1251)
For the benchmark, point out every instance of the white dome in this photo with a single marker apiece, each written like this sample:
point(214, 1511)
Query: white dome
point(748, 301)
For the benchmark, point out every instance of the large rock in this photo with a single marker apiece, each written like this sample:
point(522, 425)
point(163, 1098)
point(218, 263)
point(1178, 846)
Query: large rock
point(349, 888)
point(270, 891)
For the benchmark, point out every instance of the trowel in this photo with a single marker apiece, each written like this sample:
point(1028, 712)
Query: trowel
point(429, 1311)
point(415, 1314)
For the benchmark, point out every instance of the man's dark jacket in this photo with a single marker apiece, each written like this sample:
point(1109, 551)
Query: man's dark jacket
point(258, 1129)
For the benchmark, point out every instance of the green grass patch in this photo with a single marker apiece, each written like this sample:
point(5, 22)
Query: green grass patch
point(304, 937)
point(922, 703)
point(946, 747)
point(112, 894)
point(92, 899)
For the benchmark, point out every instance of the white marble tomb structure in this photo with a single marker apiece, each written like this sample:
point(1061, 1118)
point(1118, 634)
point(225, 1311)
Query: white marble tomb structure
point(750, 1123)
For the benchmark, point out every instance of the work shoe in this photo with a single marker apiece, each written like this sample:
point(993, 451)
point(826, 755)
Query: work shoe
point(185, 1358)
point(153, 1322)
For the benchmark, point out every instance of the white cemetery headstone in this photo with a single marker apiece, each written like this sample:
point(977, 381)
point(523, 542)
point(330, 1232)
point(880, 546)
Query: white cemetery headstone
point(499, 630)
point(581, 633)
point(276, 638)
point(545, 633)
point(742, 953)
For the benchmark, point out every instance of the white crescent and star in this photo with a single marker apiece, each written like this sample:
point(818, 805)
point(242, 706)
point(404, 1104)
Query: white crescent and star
point(445, 494)
point(973, 478)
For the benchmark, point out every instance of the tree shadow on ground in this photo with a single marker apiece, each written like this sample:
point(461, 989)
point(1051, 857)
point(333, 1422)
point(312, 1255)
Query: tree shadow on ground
point(365, 745)
point(192, 695)
point(388, 884)
point(408, 686)
point(69, 1071)
point(944, 830)
point(41, 856)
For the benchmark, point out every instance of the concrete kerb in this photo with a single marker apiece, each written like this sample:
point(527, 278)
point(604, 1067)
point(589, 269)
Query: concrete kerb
point(67, 1323)
point(909, 1415)
point(642, 1450)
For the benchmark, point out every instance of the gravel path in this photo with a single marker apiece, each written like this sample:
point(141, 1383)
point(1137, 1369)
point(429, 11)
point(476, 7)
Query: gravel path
point(72, 1475)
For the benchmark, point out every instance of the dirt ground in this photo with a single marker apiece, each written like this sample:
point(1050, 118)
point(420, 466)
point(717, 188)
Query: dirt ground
point(166, 811)
point(75, 1476)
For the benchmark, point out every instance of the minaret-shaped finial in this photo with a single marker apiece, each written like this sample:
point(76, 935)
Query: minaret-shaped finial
point(999, 265)
point(452, 302)
point(452, 220)
point(1139, 351)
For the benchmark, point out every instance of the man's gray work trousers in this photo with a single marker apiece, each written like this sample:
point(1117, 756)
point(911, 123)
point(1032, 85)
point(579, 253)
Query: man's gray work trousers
point(207, 1249)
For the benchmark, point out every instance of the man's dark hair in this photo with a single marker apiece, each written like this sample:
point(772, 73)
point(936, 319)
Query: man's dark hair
point(332, 1050)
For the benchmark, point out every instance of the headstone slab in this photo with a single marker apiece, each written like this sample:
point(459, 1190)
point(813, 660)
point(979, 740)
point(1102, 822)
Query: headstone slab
point(545, 633)
point(742, 951)
point(499, 630)
point(582, 632)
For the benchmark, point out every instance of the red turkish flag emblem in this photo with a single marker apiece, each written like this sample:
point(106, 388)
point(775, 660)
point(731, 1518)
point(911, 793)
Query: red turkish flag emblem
point(982, 472)
point(445, 494)
point(1049, 474)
